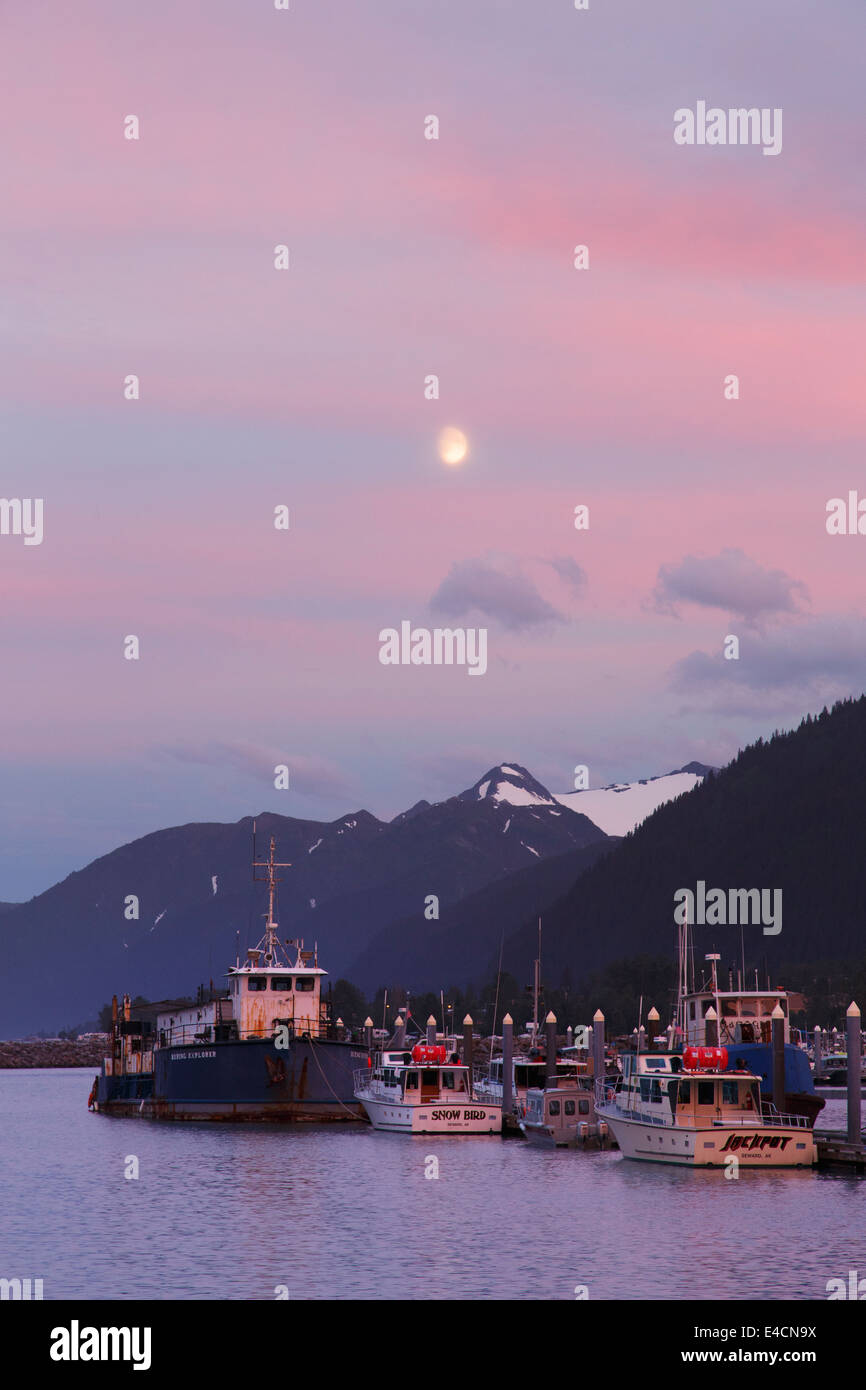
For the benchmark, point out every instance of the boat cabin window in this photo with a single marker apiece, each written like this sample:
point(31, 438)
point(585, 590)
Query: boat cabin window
point(448, 1081)
point(685, 1095)
point(706, 1093)
point(569, 1107)
point(257, 983)
point(650, 1089)
point(281, 982)
point(430, 1078)
point(730, 1092)
point(692, 1009)
point(528, 1075)
point(655, 1063)
point(304, 983)
point(553, 1108)
point(411, 1081)
point(583, 1107)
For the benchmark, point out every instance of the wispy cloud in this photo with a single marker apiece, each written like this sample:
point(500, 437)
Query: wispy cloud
point(496, 589)
point(731, 581)
point(308, 775)
point(816, 660)
point(569, 572)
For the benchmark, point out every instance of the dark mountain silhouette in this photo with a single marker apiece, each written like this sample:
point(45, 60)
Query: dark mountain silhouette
point(458, 947)
point(69, 949)
point(787, 813)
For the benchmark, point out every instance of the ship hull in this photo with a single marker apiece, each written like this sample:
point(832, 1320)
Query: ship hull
point(800, 1096)
point(755, 1146)
point(453, 1117)
point(241, 1082)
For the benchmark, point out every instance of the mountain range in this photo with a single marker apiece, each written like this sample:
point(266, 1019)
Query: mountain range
point(173, 908)
point(435, 896)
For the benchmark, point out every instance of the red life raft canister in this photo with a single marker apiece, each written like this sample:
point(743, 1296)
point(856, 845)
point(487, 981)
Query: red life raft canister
point(428, 1056)
point(705, 1058)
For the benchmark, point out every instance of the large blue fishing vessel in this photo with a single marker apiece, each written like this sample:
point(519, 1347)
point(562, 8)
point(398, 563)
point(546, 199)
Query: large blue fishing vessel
point(741, 1020)
point(265, 1049)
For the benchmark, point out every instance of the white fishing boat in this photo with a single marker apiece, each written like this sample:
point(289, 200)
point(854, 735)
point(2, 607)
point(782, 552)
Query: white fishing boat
point(687, 1108)
point(423, 1092)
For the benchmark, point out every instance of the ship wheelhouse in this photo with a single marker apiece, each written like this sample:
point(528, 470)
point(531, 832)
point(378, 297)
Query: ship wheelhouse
point(265, 997)
point(744, 1016)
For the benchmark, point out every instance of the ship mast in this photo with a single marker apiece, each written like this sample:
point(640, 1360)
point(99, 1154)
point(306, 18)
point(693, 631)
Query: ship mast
point(270, 940)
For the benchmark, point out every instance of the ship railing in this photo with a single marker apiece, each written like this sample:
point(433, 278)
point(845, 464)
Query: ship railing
point(190, 1034)
point(772, 1116)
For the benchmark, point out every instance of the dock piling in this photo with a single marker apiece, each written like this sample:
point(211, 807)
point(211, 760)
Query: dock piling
point(852, 1022)
point(467, 1044)
point(507, 1056)
point(550, 1051)
point(368, 1034)
point(598, 1051)
point(818, 1049)
point(778, 1018)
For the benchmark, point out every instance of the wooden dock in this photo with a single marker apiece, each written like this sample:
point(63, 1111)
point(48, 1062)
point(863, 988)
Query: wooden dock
point(835, 1150)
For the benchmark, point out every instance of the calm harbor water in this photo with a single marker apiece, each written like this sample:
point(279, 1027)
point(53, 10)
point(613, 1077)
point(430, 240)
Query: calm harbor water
point(343, 1212)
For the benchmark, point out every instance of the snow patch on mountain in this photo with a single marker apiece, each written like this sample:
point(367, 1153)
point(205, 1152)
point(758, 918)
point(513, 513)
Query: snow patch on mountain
point(622, 806)
point(510, 785)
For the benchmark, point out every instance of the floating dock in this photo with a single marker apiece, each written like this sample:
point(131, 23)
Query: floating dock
point(836, 1150)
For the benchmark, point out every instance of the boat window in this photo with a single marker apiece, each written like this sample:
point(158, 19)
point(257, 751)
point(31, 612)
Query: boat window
point(656, 1095)
point(256, 984)
point(569, 1107)
point(706, 1092)
point(430, 1078)
point(281, 983)
point(692, 1009)
point(685, 1092)
point(411, 1081)
point(304, 983)
point(528, 1075)
point(730, 1008)
point(553, 1108)
point(730, 1093)
point(583, 1107)
point(655, 1063)
point(646, 1087)
point(448, 1081)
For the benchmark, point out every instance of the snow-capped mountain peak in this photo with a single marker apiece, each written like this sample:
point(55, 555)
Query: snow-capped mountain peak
point(512, 784)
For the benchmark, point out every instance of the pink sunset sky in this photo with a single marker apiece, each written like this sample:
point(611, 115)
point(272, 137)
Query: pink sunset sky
point(409, 257)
